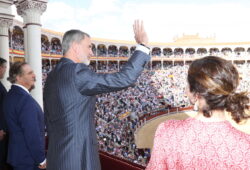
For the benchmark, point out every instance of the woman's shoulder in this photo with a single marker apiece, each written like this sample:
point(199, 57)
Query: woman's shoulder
point(169, 126)
point(196, 126)
point(176, 123)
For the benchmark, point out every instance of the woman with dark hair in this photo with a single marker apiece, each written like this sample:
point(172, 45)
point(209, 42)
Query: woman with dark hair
point(208, 140)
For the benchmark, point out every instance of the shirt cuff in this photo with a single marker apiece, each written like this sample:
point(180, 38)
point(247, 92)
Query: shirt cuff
point(142, 48)
point(43, 162)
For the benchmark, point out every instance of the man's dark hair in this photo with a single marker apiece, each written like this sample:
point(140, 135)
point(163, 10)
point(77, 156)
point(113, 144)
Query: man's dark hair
point(15, 70)
point(2, 61)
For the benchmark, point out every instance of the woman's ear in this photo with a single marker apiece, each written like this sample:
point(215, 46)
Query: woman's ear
point(196, 105)
point(201, 102)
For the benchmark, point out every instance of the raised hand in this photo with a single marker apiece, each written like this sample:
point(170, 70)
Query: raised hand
point(141, 36)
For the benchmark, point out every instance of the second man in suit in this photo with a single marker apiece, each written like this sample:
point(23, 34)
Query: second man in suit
point(25, 121)
point(3, 128)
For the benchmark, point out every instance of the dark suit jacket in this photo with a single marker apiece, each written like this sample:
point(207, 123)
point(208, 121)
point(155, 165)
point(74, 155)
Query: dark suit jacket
point(3, 93)
point(25, 122)
point(69, 98)
point(3, 143)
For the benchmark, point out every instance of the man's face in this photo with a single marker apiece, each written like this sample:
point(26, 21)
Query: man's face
point(3, 68)
point(28, 78)
point(85, 50)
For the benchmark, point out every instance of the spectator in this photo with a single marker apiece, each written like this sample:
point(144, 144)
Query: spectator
point(3, 127)
point(25, 122)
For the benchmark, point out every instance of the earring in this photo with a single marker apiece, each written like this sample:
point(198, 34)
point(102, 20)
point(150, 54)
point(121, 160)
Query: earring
point(196, 105)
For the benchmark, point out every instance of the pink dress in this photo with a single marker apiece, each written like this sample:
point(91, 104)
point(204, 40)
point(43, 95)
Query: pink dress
point(193, 144)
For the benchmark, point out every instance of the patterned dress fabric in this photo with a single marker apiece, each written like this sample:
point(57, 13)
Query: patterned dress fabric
point(197, 145)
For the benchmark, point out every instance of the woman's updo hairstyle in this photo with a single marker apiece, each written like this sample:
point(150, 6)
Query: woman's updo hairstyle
point(216, 80)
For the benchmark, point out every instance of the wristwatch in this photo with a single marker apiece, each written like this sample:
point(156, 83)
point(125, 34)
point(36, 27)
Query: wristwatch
point(145, 46)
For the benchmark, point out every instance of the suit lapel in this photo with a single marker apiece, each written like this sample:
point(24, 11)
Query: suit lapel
point(2, 88)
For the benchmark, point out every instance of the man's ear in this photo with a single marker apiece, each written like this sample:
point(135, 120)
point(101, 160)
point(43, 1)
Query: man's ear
point(74, 46)
point(18, 77)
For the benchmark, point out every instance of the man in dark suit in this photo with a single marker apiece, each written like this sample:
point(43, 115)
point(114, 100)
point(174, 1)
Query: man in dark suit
point(3, 128)
point(69, 98)
point(25, 121)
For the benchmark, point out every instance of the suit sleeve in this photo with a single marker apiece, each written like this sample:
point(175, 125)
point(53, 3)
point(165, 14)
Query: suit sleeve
point(1, 112)
point(30, 125)
point(91, 83)
point(3, 125)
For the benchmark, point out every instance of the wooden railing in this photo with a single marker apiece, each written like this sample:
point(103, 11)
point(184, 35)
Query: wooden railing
point(111, 162)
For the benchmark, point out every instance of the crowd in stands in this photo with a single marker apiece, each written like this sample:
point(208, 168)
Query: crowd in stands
point(154, 90)
point(156, 52)
point(45, 48)
point(112, 51)
point(46, 68)
point(17, 42)
point(56, 48)
point(123, 52)
point(101, 51)
point(244, 70)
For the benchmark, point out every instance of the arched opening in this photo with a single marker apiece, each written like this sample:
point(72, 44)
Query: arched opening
point(102, 66)
point(45, 44)
point(123, 51)
point(56, 47)
point(226, 51)
point(202, 51)
point(18, 39)
point(45, 65)
point(156, 51)
point(190, 51)
point(238, 51)
point(93, 64)
point(156, 65)
point(167, 65)
point(248, 50)
point(214, 51)
point(167, 52)
point(54, 63)
point(112, 51)
point(178, 52)
point(112, 66)
point(101, 50)
point(122, 63)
